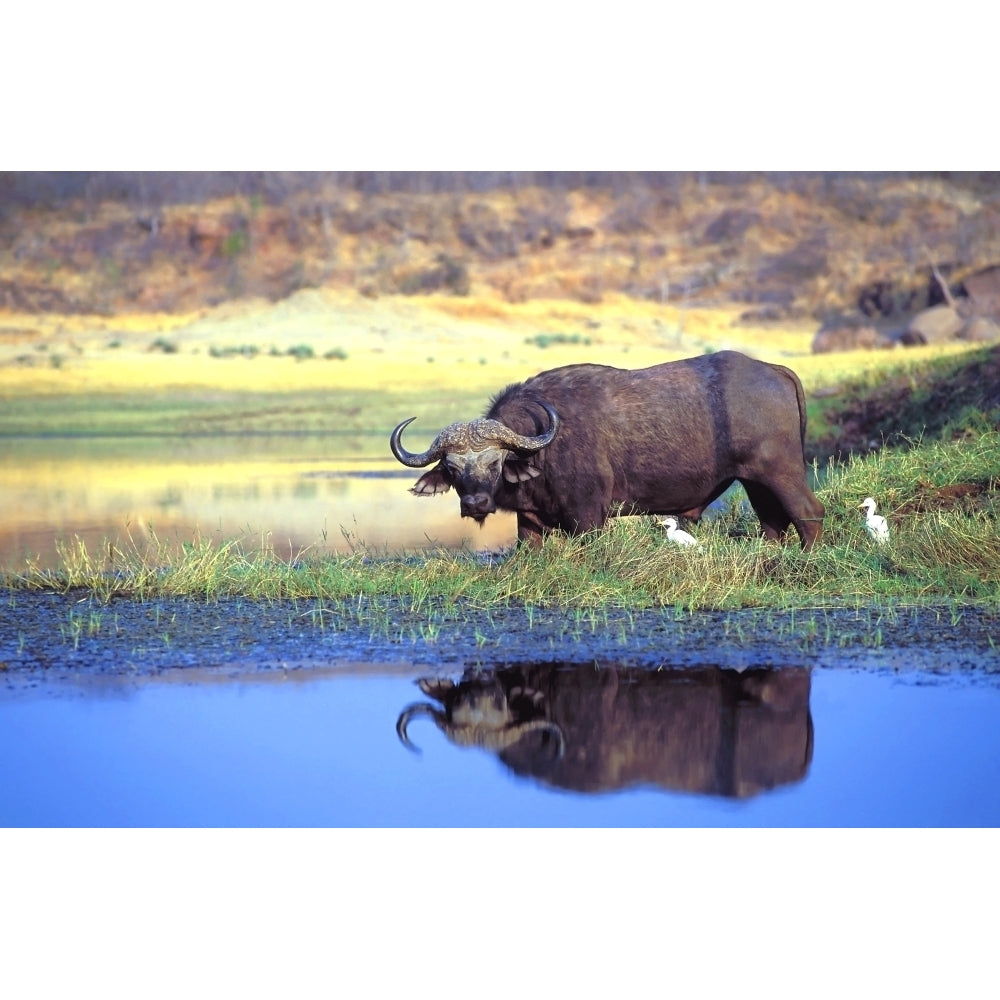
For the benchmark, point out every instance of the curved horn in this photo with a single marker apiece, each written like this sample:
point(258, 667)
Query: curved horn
point(502, 739)
point(473, 436)
point(503, 435)
point(543, 725)
point(411, 459)
point(408, 714)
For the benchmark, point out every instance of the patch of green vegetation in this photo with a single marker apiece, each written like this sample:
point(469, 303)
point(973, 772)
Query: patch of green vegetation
point(111, 270)
point(949, 397)
point(244, 351)
point(544, 340)
point(306, 352)
point(164, 345)
point(236, 243)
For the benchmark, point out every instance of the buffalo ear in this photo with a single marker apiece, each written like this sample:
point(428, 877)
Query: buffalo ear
point(430, 483)
point(519, 471)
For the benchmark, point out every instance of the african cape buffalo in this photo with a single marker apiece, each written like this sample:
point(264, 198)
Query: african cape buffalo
point(571, 446)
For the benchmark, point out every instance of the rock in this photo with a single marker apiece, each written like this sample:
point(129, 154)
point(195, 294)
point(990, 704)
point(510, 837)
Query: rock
point(983, 290)
point(981, 329)
point(845, 335)
point(933, 326)
point(895, 297)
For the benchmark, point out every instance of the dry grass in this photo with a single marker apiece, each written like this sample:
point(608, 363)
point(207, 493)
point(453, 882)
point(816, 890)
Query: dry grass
point(473, 343)
point(439, 358)
point(799, 243)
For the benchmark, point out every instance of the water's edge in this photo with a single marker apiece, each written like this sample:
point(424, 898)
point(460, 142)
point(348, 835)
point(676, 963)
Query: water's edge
point(46, 638)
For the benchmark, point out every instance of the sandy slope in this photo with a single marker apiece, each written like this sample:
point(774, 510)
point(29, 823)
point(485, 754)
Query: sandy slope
point(388, 341)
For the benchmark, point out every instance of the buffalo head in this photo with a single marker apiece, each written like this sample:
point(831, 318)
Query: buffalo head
point(480, 712)
point(472, 457)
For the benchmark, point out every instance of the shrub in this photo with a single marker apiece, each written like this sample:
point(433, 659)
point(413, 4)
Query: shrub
point(245, 351)
point(544, 340)
point(449, 274)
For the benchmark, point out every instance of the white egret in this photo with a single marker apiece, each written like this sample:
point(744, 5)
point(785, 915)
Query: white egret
point(875, 524)
point(677, 535)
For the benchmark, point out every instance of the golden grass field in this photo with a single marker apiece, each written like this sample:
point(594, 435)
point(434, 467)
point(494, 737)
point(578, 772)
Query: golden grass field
point(439, 343)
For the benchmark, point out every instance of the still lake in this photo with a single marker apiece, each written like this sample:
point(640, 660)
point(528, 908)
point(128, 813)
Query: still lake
point(295, 492)
point(867, 748)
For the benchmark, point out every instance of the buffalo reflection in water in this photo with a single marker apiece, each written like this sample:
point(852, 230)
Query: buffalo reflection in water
point(597, 728)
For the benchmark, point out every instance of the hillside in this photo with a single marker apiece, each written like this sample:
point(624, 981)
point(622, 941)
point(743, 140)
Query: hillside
point(778, 247)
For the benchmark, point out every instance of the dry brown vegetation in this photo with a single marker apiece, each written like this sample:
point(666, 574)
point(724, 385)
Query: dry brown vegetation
point(781, 246)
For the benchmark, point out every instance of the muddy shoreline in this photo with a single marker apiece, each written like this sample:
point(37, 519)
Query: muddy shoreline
point(46, 639)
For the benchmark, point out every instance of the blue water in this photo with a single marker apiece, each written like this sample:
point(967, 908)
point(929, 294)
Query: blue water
point(886, 750)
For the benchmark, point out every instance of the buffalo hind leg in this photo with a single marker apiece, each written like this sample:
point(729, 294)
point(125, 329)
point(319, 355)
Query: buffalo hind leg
point(773, 518)
point(807, 515)
point(773, 508)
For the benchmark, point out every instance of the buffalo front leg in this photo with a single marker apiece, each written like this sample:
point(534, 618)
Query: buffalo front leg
point(773, 519)
point(530, 531)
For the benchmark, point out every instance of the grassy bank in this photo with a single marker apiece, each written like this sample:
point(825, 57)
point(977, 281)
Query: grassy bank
point(941, 499)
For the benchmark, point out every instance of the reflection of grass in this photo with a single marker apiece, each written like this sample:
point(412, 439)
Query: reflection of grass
point(194, 411)
point(305, 490)
point(171, 498)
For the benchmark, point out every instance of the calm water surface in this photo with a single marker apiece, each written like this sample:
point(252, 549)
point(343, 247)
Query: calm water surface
point(707, 747)
point(292, 492)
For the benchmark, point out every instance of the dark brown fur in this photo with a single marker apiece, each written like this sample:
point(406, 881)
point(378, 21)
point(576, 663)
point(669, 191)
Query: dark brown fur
point(663, 440)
